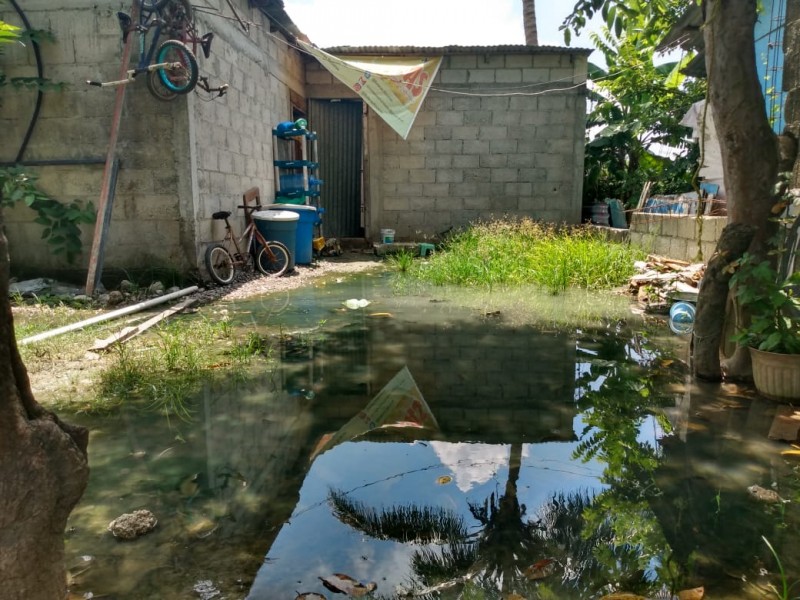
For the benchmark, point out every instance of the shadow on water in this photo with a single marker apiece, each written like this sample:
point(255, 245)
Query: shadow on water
point(572, 459)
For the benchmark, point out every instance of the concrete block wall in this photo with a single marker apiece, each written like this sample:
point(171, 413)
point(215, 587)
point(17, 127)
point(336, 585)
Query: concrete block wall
point(677, 236)
point(75, 123)
point(181, 160)
point(232, 135)
point(500, 133)
point(478, 153)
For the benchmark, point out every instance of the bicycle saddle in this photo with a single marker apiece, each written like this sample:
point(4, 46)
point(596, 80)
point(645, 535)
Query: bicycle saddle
point(223, 214)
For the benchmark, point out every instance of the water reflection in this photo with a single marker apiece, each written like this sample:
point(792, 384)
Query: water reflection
point(572, 460)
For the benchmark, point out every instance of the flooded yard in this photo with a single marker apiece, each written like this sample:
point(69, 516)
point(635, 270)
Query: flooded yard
point(566, 454)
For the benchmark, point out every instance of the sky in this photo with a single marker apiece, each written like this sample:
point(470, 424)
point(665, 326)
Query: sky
point(428, 22)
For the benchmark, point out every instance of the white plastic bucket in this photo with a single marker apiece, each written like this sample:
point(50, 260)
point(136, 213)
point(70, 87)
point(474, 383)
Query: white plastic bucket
point(387, 236)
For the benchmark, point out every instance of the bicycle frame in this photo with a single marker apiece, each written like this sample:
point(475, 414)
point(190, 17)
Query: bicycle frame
point(251, 233)
point(149, 23)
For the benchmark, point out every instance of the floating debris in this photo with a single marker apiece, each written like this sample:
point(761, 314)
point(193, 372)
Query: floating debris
point(344, 584)
point(354, 303)
point(541, 569)
point(206, 589)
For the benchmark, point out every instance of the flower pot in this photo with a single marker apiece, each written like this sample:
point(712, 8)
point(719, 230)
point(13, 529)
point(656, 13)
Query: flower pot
point(777, 376)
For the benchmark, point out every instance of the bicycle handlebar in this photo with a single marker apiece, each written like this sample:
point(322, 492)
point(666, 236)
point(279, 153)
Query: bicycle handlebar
point(250, 207)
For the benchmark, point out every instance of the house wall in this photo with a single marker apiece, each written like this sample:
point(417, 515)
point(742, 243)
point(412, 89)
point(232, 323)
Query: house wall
point(180, 160)
point(474, 151)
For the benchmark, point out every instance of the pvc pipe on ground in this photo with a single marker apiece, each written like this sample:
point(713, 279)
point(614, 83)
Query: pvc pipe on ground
point(108, 316)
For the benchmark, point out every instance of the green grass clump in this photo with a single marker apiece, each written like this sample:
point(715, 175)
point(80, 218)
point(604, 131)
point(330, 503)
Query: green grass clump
point(525, 252)
point(168, 368)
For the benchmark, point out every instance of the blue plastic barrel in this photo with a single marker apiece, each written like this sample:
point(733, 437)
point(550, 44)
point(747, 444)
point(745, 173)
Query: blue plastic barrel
point(281, 226)
point(681, 318)
point(307, 219)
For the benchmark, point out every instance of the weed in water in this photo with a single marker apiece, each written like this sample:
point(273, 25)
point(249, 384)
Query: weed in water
point(253, 345)
point(401, 261)
point(785, 590)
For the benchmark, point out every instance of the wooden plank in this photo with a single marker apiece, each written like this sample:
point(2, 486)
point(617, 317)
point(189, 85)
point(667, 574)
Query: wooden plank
point(109, 174)
point(643, 196)
point(131, 332)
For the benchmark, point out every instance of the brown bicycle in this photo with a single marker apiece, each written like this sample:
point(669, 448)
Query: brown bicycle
point(223, 258)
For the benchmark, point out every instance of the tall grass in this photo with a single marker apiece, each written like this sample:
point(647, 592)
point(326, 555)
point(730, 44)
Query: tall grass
point(524, 252)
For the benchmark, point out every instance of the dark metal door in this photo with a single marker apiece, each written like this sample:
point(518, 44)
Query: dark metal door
point(338, 126)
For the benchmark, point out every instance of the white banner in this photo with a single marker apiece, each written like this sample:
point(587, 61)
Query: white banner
point(393, 87)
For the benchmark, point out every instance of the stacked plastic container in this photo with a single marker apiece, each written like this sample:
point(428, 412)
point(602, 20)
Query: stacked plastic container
point(295, 181)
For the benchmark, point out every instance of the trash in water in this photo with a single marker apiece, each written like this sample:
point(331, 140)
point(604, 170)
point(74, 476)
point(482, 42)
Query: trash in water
point(354, 303)
point(681, 318)
point(206, 589)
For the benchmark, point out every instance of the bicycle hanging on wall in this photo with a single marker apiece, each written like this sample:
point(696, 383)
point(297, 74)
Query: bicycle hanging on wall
point(171, 67)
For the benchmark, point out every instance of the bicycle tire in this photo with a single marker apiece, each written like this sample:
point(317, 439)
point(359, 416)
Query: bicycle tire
point(184, 79)
point(277, 266)
point(158, 89)
point(220, 264)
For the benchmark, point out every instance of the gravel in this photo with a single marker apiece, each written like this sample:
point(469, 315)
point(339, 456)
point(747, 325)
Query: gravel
point(254, 284)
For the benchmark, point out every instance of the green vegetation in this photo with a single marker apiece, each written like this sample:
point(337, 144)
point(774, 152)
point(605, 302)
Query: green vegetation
point(170, 367)
point(525, 252)
point(785, 591)
point(401, 261)
point(60, 221)
point(635, 104)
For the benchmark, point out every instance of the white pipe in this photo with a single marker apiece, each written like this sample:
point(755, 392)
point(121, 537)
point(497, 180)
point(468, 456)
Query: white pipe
point(108, 316)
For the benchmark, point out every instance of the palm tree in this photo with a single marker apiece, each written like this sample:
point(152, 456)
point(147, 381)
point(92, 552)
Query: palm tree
point(529, 19)
point(497, 557)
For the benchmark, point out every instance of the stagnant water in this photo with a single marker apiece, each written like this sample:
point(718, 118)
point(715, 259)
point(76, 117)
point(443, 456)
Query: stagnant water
point(567, 455)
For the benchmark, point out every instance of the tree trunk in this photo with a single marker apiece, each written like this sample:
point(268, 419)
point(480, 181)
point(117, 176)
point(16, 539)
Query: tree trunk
point(43, 473)
point(748, 145)
point(529, 19)
point(710, 317)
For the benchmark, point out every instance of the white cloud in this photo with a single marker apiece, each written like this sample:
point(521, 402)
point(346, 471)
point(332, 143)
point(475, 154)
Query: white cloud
point(472, 464)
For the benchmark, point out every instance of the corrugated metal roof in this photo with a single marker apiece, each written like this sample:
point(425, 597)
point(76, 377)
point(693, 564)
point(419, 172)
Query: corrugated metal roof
point(430, 50)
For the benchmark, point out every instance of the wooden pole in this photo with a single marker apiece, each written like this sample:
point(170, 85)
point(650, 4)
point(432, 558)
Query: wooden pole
point(106, 197)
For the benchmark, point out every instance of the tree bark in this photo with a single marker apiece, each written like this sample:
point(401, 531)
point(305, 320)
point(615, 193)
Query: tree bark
point(529, 20)
point(748, 147)
point(710, 317)
point(43, 473)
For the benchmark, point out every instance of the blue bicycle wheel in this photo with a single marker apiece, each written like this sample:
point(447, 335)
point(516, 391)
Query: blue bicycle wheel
point(182, 78)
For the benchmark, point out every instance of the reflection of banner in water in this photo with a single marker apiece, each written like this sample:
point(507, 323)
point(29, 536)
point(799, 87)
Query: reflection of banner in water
point(393, 87)
point(398, 404)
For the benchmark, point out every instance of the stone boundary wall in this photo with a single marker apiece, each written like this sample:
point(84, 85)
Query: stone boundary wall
point(479, 151)
point(676, 236)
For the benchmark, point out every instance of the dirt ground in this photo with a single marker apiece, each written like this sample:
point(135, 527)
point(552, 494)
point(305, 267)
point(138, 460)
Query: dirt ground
point(61, 371)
